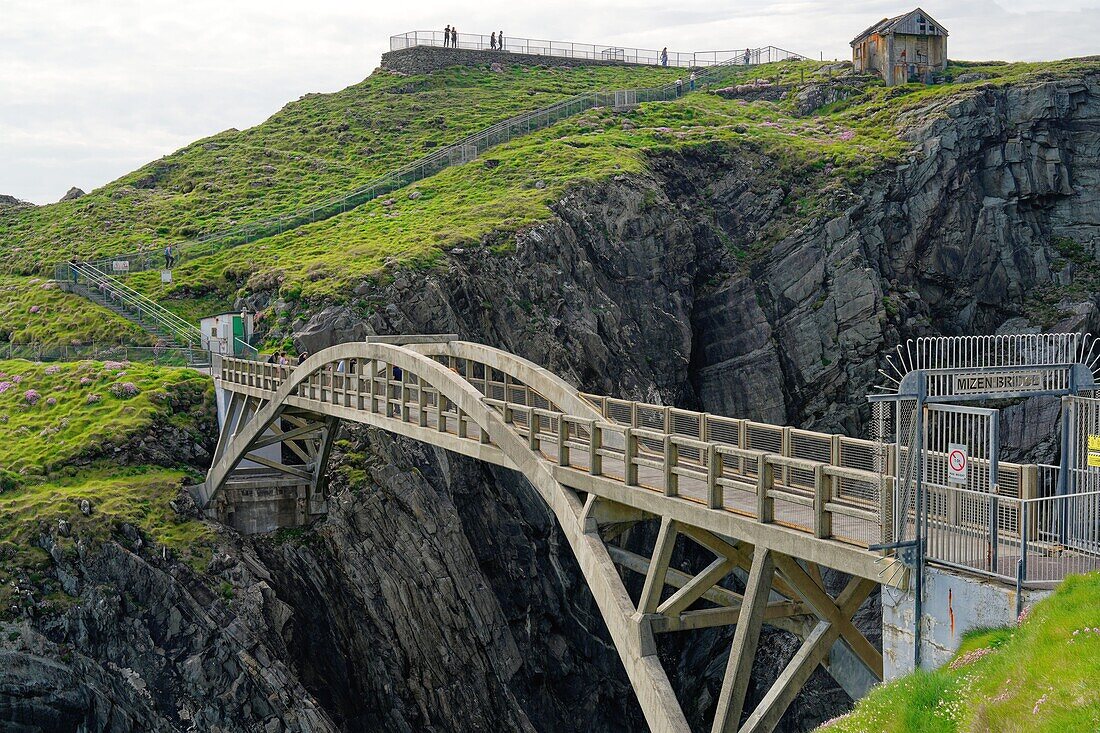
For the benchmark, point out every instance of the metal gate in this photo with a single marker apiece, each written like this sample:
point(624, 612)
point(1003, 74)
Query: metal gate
point(963, 523)
point(1073, 519)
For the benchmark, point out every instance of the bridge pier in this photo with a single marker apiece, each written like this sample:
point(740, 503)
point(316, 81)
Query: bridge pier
point(954, 603)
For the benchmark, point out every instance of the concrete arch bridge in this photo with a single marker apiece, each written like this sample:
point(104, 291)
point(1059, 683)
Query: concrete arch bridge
point(773, 504)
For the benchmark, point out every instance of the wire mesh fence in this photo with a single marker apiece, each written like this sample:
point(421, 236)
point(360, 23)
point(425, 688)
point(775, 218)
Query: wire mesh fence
point(161, 355)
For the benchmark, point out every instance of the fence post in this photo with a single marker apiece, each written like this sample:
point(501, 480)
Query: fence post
point(672, 458)
point(823, 490)
point(714, 472)
point(421, 403)
point(630, 453)
point(563, 438)
point(765, 481)
point(595, 443)
point(534, 421)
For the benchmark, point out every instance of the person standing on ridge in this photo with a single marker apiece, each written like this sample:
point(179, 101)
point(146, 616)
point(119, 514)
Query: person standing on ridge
point(664, 56)
point(500, 40)
point(447, 36)
point(454, 37)
point(493, 41)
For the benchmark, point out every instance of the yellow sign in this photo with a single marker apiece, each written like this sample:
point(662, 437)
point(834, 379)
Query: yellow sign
point(1094, 451)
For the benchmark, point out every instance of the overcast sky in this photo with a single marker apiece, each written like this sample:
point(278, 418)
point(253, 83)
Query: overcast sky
point(90, 90)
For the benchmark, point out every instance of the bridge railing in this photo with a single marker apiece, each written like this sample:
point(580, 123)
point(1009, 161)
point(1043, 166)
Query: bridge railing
point(593, 51)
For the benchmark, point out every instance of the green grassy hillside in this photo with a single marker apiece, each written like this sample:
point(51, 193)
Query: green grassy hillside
point(34, 310)
point(318, 146)
point(513, 186)
point(1039, 676)
point(322, 145)
point(52, 414)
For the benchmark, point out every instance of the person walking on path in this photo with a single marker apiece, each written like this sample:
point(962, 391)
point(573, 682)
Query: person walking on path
point(447, 36)
point(664, 56)
point(168, 257)
point(679, 87)
point(500, 40)
point(691, 82)
point(454, 37)
point(493, 41)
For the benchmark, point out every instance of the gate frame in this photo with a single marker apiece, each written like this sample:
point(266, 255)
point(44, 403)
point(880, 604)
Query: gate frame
point(1014, 366)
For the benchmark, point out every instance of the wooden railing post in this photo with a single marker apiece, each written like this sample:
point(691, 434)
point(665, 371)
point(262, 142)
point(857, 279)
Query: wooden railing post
point(563, 438)
point(630, 453)
point(672, 458)
point(373, 386)
point(715, 499)
point(823, 489)
point(595, 442)
point(421, 403)
point(765, 481)
point(534, 421)
point(440, 417)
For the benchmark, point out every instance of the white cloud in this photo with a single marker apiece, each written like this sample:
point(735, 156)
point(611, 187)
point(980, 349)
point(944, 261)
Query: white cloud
point(90, 90)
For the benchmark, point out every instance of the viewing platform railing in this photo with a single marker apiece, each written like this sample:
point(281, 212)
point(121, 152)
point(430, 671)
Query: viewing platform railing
point(594, 51)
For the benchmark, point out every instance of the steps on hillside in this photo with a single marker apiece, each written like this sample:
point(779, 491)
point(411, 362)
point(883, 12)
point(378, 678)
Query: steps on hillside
point(149, 325)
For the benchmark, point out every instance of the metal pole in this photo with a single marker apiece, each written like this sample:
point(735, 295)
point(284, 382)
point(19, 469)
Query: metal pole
point(918, 532)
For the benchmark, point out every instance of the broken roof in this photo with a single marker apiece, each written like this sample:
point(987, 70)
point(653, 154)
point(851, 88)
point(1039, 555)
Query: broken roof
point(887, 26)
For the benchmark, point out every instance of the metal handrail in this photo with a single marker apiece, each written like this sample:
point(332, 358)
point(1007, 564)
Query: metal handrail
point(180, 329)
point(186, 332)
point(455, 154)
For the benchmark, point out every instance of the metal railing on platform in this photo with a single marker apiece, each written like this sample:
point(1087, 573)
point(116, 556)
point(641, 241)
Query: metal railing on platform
point(592, 51)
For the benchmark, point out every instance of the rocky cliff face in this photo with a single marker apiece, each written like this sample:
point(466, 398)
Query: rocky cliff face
point(438, 595)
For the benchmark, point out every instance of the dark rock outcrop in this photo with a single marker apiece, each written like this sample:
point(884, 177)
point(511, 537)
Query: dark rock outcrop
point(10, 202)
point(72, 194)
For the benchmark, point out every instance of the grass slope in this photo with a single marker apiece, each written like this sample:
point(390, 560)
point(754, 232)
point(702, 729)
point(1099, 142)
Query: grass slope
point(1037, 677)
point(52, 414)
point(136, 496)
point(512, 187)
point(34, 310)
point(314, 148)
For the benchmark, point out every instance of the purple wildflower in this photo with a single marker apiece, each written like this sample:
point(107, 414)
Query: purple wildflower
point(31, 396)
point(123, 390)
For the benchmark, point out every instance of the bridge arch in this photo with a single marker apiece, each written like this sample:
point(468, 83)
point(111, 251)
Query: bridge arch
point(597, 479)
point(500, 444)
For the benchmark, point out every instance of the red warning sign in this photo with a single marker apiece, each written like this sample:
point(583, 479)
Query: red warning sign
point(958, 461)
